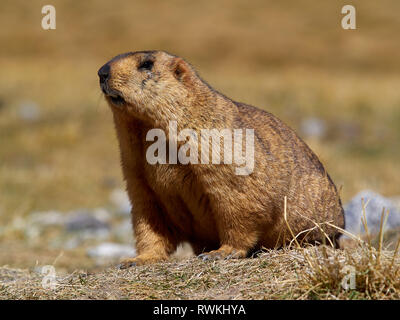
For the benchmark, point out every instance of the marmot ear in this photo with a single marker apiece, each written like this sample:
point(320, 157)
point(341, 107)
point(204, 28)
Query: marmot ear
point(181, 69)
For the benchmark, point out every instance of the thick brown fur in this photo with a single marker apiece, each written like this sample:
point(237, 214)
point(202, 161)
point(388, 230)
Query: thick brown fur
point(219, 213)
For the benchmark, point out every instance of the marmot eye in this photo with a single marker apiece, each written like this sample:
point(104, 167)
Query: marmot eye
point(147, 65)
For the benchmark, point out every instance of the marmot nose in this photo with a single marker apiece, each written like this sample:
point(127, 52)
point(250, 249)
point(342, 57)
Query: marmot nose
point(104, 73)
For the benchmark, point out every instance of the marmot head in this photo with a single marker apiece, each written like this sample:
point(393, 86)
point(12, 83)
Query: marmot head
point(147, 82)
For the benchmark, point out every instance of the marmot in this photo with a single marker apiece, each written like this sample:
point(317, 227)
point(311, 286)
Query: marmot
point(221, 213)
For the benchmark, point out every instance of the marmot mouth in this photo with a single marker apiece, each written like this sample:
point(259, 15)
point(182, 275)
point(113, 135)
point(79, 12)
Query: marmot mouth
point(116, 99)
point(112, 94)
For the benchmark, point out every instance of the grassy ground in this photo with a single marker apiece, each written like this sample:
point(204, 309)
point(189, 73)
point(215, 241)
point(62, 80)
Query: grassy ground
point(313, 273)
point(291, 58)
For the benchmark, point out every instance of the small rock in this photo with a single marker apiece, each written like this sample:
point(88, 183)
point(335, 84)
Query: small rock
point(68, 244)
point(47, 218)
point(18, 223)
point(396, 201)
point(120, 200)
point(313, 127)
point(374, 205)
point(101, 214)
point(84, 220)
point(111, 251)
point(72, 240)
point(32, 233)
point(29, 111)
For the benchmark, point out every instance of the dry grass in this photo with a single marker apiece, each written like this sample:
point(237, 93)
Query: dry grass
point(359, 271)
point(310, 273)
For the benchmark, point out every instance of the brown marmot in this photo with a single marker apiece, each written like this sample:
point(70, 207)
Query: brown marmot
point(221, 211)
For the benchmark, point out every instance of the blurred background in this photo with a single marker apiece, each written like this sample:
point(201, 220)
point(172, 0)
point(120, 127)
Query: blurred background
point(61, 187)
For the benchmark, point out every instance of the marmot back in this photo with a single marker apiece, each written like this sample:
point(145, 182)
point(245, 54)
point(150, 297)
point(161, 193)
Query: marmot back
point(210, 171)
